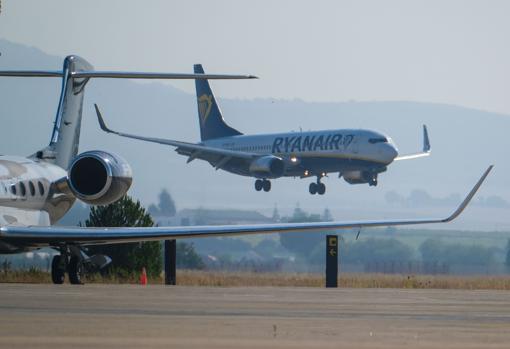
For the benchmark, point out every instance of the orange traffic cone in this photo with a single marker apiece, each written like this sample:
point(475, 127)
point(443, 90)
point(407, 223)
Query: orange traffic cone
point(143, 277)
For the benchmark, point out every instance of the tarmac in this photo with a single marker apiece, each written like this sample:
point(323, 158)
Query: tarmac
point(132, 316)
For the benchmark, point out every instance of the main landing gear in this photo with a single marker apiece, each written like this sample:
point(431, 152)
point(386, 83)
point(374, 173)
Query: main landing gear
point(75, 262)
point(68, 262)
point(262, 184)
point(317, 188)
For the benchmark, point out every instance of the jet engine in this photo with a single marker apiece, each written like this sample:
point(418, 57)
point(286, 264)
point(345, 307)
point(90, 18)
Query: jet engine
point(269, 166)
point(354, 177)
point(99, 178)
point(361, 177)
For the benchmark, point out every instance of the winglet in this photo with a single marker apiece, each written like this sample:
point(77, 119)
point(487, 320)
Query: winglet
point(426, 142)
point(102, 124)
point(468, 198)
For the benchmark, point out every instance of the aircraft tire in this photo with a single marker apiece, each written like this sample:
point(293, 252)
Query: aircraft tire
point(57, 273)
point(313, 188)
point(258, 185)
point(321, 188)
point(266, 185)
point(75, 270)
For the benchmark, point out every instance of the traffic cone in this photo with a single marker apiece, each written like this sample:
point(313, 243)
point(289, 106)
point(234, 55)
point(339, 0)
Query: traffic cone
point(143, 277)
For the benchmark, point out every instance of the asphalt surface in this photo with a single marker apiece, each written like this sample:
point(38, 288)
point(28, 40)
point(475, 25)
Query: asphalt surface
point(112, 316)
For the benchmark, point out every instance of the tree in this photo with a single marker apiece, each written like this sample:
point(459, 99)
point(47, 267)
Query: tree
point(302, 243)
point(165, 207)
point(187, 257)
point(133, 256)
point(507, 259)
point(326, 216)
point(434, 250)
point(276, 215)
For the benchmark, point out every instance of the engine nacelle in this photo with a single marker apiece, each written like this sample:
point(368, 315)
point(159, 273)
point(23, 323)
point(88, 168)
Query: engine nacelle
point(99, 178)
point(269, 166)
point(356, 177)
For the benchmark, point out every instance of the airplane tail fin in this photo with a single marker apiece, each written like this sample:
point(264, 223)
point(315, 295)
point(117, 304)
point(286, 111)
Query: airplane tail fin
point(212, 124)
point(65, 137)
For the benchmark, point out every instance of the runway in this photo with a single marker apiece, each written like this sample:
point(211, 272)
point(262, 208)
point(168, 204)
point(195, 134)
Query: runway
point(121, 316)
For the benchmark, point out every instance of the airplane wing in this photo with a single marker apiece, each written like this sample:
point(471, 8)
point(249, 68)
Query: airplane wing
point(53, 236)
point(424, 152)
point(193, 151)
point(120, 74)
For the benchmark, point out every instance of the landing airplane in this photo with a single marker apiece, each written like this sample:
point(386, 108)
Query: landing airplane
point(36, 191)
point(357, 155)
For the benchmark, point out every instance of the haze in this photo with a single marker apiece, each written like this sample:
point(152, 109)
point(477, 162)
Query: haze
point(433, 52)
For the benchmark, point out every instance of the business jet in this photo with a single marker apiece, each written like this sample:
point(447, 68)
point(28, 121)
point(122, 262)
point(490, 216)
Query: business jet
point(358, 156)
point(37, 190)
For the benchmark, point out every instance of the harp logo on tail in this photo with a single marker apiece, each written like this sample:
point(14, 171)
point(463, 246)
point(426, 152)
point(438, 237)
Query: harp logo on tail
point(204, 107)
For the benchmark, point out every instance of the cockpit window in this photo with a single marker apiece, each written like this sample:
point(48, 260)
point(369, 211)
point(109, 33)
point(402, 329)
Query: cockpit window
point(378, 140)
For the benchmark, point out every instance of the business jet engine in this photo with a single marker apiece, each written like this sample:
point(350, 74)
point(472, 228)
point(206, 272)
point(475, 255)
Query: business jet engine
point(268, 166)
point(99, 178)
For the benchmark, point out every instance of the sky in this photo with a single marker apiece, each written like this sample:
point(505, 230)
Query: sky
point(453, 52)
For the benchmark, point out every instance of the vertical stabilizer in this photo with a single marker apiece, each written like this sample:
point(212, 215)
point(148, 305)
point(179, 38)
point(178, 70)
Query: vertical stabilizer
point(211, 121)
point(65, 138)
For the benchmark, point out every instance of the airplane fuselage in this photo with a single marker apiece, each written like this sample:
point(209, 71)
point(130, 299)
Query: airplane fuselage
point(314, 152)
point(31, 193)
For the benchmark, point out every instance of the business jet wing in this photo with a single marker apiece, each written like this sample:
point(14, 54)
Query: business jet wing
point(53, 236)
point(122, 75)
point(216, 156)
point(425, 151)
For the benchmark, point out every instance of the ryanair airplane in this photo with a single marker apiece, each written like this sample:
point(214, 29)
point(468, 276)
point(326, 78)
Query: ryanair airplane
point(37, 190)
point(356, 155)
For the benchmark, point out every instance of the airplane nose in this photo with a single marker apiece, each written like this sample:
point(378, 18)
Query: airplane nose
point(393, 152)
point(390, 152)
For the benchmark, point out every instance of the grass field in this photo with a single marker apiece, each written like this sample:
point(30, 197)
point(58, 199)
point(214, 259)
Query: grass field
point(232, 279)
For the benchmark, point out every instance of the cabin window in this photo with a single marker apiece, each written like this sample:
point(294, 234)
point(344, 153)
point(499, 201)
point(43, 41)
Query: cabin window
point(13, 189)
point(41, 188)
point(22, 189)
point(378, 140)
point(31, 188)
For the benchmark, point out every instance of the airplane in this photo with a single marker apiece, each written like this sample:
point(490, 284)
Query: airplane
point(37, 190)
point(358, 156)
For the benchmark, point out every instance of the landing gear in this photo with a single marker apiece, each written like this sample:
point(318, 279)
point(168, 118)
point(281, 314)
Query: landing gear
point(75, 270)
point(372, 181)
point(262, 184)
point(73, 260)
point(317, 188)
point(58, 270)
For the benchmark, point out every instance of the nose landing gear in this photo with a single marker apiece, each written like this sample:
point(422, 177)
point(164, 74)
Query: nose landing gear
point(372, 181)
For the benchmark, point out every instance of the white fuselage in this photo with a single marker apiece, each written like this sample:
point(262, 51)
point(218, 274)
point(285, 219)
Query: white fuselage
point(315, 152)
point(30, 193)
